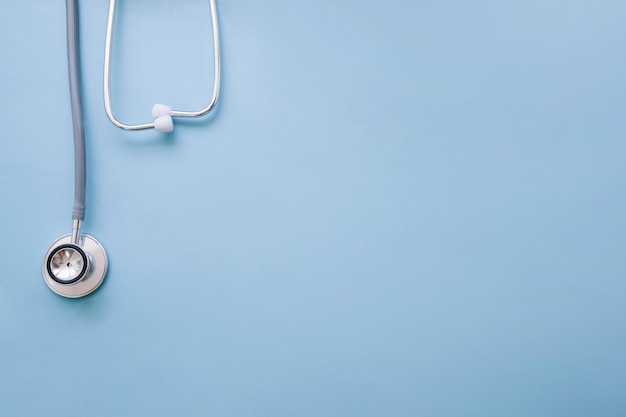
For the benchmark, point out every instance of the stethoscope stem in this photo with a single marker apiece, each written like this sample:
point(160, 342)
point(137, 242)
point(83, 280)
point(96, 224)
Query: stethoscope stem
point(75, 231)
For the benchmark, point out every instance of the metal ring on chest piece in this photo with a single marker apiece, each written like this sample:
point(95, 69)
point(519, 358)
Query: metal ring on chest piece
point(75, 270)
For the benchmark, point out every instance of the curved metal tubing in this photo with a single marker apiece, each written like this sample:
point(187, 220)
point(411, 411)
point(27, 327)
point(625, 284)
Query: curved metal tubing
point(174, 113)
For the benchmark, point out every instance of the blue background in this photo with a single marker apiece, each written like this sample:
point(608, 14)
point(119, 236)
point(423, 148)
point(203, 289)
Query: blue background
point(398, 209)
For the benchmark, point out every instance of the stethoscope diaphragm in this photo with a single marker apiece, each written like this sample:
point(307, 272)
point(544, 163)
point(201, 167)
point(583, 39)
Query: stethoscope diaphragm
point(67, 264)
point(74, 270)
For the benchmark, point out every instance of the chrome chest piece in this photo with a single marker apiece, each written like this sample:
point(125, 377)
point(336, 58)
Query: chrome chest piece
point(75, 265)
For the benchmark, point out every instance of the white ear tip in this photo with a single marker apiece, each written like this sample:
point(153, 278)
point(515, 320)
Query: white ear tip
point(162, 115)
point(159, 110)
point(164, 123)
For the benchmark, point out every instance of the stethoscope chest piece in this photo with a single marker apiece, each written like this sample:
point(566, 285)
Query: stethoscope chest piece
point(75, 270)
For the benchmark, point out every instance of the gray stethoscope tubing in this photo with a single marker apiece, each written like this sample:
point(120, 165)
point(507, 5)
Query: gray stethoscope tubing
point(162, 114)
point(75, 265)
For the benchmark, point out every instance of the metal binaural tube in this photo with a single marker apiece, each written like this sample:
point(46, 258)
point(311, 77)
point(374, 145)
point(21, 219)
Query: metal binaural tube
point(175, 113)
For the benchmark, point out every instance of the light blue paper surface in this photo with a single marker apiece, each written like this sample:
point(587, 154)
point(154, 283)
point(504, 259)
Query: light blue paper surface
point(398, 209)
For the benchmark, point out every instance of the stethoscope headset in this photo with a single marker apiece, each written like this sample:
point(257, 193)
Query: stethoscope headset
point(76, 264)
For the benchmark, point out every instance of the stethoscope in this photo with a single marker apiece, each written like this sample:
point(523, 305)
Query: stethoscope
point(76, 264)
